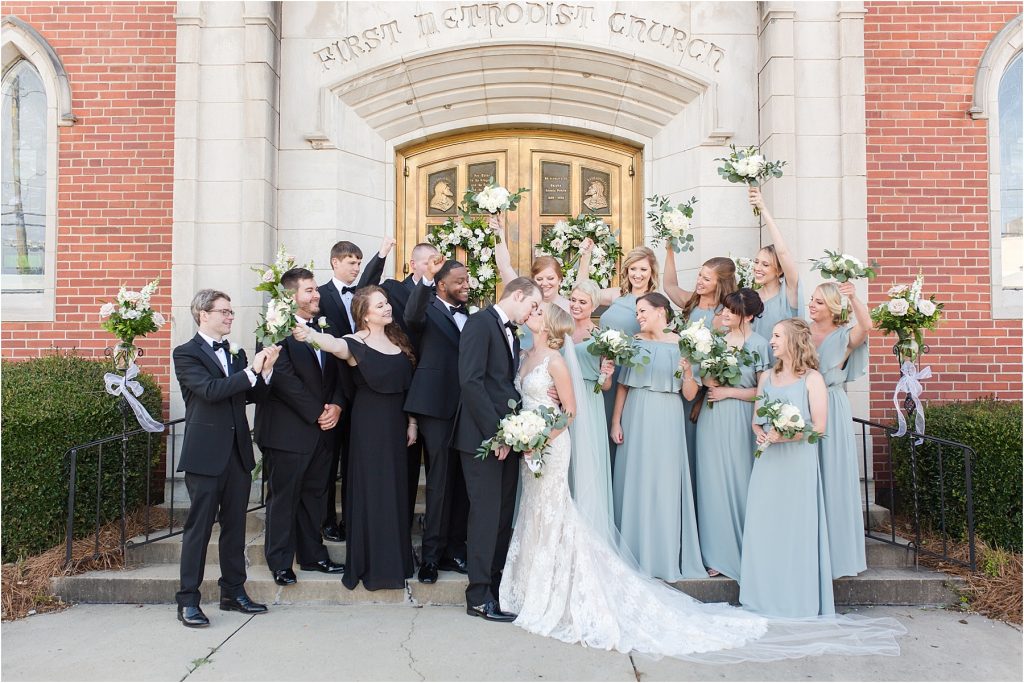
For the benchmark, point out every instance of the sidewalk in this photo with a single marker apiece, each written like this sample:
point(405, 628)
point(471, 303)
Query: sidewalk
point(400, 642)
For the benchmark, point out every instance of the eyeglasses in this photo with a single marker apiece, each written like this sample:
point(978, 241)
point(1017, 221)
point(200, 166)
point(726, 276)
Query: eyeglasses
point(226, 312)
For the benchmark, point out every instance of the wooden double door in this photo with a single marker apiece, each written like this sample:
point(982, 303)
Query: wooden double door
point(567, 174)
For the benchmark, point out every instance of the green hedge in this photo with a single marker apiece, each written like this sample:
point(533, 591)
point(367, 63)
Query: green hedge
point(49, 405)
point(993, 430)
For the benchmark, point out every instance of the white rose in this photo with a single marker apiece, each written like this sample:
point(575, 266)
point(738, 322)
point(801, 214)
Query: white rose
point(132, 297)
point(474, 283)
point(899, 306)
point(898, 289)
point(130, 314)
point(107, 309)
point(486, 253)
point(474, 309)
point(273, 316)
point(322, 322)
point(854, 260)
point(268, 275)
point(234, 348)
point(597, 254)
point(158, 319)
point(742, 168)
point(755, 164)
point(558, 244)
point(925, 306)
point(730, 360)
point(703, 346)
point(561, 227)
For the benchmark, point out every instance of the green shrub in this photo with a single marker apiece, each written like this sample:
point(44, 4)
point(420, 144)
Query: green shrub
point(49, 405)
point(993, 430)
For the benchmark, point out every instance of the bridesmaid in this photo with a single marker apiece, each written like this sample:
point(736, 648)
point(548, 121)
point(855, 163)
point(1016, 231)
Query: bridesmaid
point(842, 354)
point(379, 548)
point(595, 503)
point(785, 569)
point(725, 444)
point(716, 279)
point(653, 501)
point(773, 264)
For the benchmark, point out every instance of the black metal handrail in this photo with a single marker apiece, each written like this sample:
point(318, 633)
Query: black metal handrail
point(887, 452)
point(71, 463)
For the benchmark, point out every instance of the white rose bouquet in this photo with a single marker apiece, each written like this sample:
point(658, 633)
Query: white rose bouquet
point(747, 165)
point(696, 343)
point(618, 347)
point(745, 273)
point(278, 319)
point(725, 363)
point(671, 223)
point(132, 314)
point(526, 430)
point(563, 243)
point(907, 313)
point(786, 419)
point(843, 268)
point(472, 236)
point(491, 199)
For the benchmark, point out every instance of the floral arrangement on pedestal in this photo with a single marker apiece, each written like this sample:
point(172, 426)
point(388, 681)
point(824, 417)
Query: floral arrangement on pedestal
point(907, 314)
point(563, 243)
point(278, 319)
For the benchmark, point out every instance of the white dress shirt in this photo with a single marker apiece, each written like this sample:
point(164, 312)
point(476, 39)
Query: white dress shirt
point(460, 318)
point(508, 333)
point(346, 299)
point(222, 356)
point(317, 352)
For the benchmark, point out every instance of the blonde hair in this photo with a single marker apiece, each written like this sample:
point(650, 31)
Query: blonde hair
point(558, 324)
point(725, 283)
point(543, 263)
point(800, 347)
point(833, 299)
point(770, 248)
point(635, 255)
point(590, 288)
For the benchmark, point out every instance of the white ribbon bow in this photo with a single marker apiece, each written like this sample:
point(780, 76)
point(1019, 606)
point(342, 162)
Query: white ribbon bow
point(910, 383)
point(117, 385)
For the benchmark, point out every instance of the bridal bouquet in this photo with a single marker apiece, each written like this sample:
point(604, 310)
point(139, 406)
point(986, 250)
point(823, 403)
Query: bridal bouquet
point(907, 313)
point(748, 165)
point(725, 364)
point(132, 315)
point(491, 199)
point(843, 268)
point(563, 243)
point(526, 430)
point(618, 347)
point(745, 273)
point(277, 321)
point(696, 343)
point(671, 223)
point(786, 419)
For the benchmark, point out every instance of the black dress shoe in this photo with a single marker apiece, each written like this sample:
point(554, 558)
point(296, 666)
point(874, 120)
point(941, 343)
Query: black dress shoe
point(192, 617)
point(242, 603)
point(325, 566)
point(490, 612)
point(284, 577)
point(453, 564)
point(332, 532)
point(428, 573)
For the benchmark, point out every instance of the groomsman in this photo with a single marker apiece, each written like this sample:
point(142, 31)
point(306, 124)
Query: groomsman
point(336, 306)
point(295, 430)
point(216, 456)
point(399, 292)
point(488, 361)
point(434, 397)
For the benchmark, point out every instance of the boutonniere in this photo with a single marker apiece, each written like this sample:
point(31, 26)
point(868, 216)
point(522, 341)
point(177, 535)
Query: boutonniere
point(474, 309)
point(322, 322)
point(234, 348)
point(520, 331)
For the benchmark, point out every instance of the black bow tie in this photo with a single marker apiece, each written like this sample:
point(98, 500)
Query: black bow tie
point(226, 345)
point(461, 308)
point(513, 328)
point(310, 323)
point(348, 290)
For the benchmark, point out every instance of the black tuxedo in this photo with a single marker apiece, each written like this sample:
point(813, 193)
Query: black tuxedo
point(297, 453)
point(216, 457)
point(434, 398)
point(333, 308)
point(487, 368)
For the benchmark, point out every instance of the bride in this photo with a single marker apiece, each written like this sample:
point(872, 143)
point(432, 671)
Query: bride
point(566, 580)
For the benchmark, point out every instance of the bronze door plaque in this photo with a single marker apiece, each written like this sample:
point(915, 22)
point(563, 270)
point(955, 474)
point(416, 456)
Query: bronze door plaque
point(441, 192)
point(595, 186)
point(555, 187)
point(481, 174)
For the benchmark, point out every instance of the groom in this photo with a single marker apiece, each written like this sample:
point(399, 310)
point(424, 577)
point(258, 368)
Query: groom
point(488, 360)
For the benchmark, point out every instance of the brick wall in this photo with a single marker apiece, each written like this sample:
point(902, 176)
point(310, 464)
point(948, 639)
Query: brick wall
point(927, 182)
point(116, 171)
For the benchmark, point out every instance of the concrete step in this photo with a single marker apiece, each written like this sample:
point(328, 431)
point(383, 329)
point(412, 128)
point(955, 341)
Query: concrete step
point(157, 584)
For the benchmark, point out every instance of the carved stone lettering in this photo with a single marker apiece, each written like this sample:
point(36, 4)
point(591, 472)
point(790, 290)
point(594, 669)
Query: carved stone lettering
point(427, 24)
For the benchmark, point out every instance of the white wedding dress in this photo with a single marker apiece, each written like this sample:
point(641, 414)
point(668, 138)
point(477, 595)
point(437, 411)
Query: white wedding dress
point(566, 581)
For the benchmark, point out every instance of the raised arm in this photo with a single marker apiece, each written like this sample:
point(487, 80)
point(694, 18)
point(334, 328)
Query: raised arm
point(608, 294)
point(374, 270)
point(789, 266)
point(327, 343)
point(862, 318)
point(675, 293)
point(502, 256)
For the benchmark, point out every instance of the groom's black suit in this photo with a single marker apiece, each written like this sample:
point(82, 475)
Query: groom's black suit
point(434, 398)
point(487, 369)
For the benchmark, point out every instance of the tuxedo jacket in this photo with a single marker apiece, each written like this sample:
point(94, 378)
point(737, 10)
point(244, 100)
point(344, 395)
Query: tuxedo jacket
point(286, 419)
point(398, 292)
point(214, 407)
point(435, 384)
point(487, 369)
point(331, 304)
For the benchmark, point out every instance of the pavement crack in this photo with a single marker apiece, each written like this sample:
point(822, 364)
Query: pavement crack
point(405, 646)
point(636, 672)
point(196, 663)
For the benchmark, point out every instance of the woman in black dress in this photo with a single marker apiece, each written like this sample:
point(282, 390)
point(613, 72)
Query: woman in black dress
point(379, 548)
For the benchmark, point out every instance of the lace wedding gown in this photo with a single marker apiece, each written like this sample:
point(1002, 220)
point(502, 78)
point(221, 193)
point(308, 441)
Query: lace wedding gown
point(568, 582)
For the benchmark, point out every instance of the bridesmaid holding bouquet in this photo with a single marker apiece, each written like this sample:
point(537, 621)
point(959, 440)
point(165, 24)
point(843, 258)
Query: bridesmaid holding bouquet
point(776, 274)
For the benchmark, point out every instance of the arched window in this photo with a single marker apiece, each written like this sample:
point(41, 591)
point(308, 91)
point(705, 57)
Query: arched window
point(1011, 180)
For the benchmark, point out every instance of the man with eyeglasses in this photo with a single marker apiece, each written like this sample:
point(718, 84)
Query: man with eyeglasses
point(216, 455)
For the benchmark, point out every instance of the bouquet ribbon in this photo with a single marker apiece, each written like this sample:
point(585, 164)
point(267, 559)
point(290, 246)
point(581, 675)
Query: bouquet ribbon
point(910, 383)
point(534, 464)
point(129, 388)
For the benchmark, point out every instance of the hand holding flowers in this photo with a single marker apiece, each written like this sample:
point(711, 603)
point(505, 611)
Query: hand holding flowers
point(671, 224)
point(569, 239)
point(784, 421)
point(843, 268)
point(525, 431)
point(696, 343)
point(277, 321)
point(618, 347)
point(724, 365)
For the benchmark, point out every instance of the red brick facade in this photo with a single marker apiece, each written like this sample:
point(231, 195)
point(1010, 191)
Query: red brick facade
point(116, 171)
point(928, 189)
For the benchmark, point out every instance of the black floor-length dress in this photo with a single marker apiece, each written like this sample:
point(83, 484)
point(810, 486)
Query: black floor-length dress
point(379, 548)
